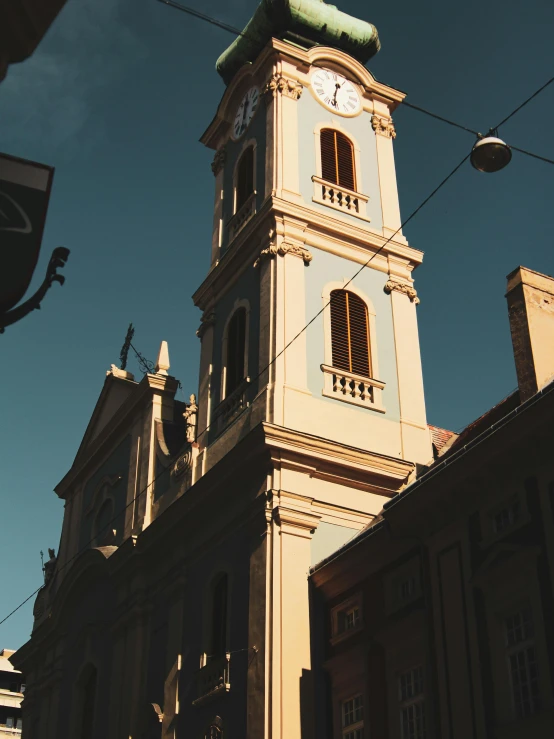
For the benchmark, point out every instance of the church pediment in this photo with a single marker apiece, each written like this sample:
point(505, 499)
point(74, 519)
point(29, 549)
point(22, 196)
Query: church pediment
point(115, 392)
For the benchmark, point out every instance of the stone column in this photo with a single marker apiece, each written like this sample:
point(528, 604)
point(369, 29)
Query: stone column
point(291, 662)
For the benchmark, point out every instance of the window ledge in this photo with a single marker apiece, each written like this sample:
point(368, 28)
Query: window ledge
point(241, 217)
point(344, 635)
point(213, 680)
point(350, 388)
point(493, 538)
point(340, 198)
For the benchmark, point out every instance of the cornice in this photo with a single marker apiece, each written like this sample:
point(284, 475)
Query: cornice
point(320, 450)
point(322, 231)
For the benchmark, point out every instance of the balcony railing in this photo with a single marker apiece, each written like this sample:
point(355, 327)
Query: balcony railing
point(231, 406)
point(213, 679)
point(241, 218)
point(340, 198)
point(342, 385)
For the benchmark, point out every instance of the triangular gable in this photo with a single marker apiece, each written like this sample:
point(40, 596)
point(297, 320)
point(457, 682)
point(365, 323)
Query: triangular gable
point(115, 392)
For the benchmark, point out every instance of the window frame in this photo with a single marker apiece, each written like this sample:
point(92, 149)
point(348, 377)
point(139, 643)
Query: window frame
point(349, 731)
point(338, 634)
point(408, 702)
point(522, 647)
point(360, 210)
point(240, 217)
point(239, 303)
point(327, 368)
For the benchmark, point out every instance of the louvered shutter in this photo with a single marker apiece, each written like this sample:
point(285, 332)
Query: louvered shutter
point(337, 159)
point(350, 333)
point(245, 177)
point(236, 337)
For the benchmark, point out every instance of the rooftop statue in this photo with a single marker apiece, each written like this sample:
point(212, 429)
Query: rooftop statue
point(304, 22)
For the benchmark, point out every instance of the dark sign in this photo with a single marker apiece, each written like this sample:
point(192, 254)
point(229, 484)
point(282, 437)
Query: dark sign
point(24, 193)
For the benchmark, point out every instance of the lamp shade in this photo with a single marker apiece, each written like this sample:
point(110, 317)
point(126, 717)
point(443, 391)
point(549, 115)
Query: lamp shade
point(24, 194)
point(490, 154)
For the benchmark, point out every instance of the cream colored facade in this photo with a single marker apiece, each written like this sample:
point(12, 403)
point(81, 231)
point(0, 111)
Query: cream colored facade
point(11, 695)
point(165, 498)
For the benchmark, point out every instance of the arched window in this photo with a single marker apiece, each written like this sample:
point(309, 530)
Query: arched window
point(103, 522)
point(236, 342)
point(337, 159)
point(88, 700)
point(245, 178)
point(219, 617)
point(350, 333)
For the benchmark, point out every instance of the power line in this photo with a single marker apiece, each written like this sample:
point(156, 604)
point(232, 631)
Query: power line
point(530, 154)
point(150, 486)
point(237, 32)
point(523, 104)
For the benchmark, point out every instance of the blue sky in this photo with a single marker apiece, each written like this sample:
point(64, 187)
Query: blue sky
point(116, 98)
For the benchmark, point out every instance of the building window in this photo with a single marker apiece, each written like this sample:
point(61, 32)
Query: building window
point(412, 704)
point(337, 159)
point(219, 617)
point(522, 663)
point(19, 724)
point(504, 518)
point(406, 589)
point(10, 721)
point(353, 718)
point(235, 354)
point(245, 178)
point(104, 522)
point(350, 333)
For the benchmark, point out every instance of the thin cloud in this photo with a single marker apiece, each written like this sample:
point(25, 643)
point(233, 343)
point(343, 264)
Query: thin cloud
point(49, 96)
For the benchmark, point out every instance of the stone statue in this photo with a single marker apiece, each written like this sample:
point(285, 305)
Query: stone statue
point(50, 566)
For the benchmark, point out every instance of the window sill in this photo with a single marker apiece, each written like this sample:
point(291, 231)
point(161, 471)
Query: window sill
point(241, 217)
point(344, 635)
point(493, 538)
point(340, 198)
point(213, 680)
point(355, 389)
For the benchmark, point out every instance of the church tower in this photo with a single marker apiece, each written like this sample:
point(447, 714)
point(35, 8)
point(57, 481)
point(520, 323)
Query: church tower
point(178, 604)
point(310, 350)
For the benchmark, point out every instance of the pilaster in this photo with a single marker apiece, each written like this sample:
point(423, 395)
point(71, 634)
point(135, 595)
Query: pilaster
point(384, 136)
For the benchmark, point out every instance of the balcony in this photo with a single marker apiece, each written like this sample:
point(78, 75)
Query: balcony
point(213, 679)
point(347, 201)
point(230, 407)
point(351, 388)
point(241, 218)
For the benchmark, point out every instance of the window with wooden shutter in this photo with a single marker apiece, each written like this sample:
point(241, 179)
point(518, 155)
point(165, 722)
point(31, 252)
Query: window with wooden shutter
point(350, 333)
point(337, 159)
point(245, 177)
point(236, 338)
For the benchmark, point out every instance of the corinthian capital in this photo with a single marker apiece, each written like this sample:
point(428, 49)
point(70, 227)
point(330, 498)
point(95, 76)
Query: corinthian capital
point(278, 84)
point(402, 287)
point(383, 126)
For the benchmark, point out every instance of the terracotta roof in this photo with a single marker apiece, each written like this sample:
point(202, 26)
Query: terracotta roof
point(488, 419)
point(440, 438)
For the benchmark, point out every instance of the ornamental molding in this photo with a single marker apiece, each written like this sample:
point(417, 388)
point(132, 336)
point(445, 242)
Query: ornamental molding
point(283, 85)
point(206, 322)
point(284, 248)
point(383, 126)
point(219, 160)
point(402, 287)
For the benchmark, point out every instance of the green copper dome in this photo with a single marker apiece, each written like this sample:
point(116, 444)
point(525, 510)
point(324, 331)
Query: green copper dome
point(305, 22)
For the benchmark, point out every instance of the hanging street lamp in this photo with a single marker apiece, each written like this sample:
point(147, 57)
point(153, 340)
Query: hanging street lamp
point(490, 154)
point(24, 194)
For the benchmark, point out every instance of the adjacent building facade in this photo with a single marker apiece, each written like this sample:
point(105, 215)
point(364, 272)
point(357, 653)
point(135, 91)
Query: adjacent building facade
point(436, 620)
point(12, 687)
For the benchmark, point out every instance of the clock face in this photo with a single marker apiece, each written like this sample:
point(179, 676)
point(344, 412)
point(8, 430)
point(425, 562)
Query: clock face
point(245, 112)
point(336, 92)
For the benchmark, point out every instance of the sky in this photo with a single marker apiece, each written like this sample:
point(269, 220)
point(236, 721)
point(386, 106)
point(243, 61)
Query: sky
point(116, 98)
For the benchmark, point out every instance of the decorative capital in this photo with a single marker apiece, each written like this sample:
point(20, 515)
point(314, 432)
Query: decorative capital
point(219, 160)
point(279, 84)
point(285, 248)
point(383, 126)
point(402, 287)
point(207, 320)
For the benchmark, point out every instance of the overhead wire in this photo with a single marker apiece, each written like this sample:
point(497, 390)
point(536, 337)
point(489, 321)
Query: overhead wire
point(236, 31)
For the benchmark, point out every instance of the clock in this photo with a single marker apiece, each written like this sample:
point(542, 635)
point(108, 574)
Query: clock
point(245, 112)
point(336, 92)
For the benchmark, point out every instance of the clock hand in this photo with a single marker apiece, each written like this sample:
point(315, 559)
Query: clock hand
point(334, 100)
